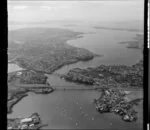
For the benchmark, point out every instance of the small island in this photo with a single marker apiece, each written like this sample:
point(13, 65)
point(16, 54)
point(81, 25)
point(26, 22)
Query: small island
point(113, 101)
point(111, 76)
point(119, 29)
point(136, 43)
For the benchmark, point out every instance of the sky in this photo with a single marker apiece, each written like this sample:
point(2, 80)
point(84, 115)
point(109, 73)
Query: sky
point(27, 11)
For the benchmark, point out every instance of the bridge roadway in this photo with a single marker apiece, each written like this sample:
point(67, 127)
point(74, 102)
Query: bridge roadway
point(90, 88)
point(73, 88)
point(39, 86)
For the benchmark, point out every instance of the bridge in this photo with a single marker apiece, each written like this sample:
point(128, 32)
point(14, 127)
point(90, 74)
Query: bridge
point(71, 88)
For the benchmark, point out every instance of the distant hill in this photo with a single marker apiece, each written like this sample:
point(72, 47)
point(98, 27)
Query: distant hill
point(45, 22)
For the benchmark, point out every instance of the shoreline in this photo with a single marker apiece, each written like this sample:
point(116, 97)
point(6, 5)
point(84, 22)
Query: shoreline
point(43, 72)
point(26, 81)
point(56, 69)
point(29, 87)
point(10, 108)
point(79, 54)
point(19, 96)
point(60, 67)
point(114, 101)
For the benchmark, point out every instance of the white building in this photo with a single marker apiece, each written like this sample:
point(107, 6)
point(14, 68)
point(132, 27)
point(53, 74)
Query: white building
point(26, 120)
point(19, 73)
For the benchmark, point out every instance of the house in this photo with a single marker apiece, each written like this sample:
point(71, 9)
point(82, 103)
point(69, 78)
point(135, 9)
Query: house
point(9, 128)
point(19, 73)
point(24, 127)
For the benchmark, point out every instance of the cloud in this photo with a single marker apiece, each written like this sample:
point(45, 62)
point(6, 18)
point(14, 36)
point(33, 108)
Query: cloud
point(46, 7)
point(20, 7)
point(53, 7)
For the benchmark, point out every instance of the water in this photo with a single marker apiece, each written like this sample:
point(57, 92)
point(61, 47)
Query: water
point(74, 109)
point(103, 42)
point(69, 110)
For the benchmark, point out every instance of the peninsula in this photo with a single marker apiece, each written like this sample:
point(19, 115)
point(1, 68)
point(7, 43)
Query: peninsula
point(45, 49)
point(113, 100)
point(108, 76)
